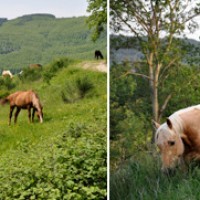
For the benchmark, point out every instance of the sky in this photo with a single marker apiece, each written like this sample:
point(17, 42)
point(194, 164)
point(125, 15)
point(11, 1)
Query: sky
point(60, 8)
point(11, 9)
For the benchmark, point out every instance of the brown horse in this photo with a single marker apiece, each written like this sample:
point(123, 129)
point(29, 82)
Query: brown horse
point(35, 66)
point(24, 100)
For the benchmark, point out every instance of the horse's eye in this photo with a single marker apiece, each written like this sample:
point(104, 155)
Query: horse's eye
point(171, 143)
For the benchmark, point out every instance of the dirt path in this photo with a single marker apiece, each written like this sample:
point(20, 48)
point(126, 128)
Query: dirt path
point(95, 65)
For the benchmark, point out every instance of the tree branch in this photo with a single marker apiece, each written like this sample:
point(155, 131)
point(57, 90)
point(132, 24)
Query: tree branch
point(164, 106)
point(136, 74)
point(167, 67)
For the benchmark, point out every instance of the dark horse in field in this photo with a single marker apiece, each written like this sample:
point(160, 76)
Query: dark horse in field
point(98, 54)
point(24, 100)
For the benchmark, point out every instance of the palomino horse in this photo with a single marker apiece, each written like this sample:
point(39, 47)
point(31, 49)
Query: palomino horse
point(179, 138)
point(24, 100)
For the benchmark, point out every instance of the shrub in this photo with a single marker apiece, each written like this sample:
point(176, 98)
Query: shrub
point(62, 170)
point(56, 65)
point(7, 83)
point(31, 75)
point(47, 76)
point(3, 93)
point(77, 89)
point(84, 86)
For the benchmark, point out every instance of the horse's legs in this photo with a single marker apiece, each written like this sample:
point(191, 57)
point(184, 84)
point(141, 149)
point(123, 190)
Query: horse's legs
point(10, 116)
point(29, 114)
point(33, 114)
point(16, 114)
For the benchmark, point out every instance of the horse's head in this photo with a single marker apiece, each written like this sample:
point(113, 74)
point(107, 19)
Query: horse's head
point(170, 144)
point(39, 113)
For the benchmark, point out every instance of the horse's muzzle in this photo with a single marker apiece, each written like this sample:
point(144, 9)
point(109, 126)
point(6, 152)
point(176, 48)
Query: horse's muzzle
point(41, 119)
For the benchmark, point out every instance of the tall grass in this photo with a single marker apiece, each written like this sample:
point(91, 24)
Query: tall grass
point(142, 179)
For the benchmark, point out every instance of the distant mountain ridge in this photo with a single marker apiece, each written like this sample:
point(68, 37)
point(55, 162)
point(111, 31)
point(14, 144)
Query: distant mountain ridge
point(2, 20)
point(37, 15)
point(40, 38)
point(126, 48)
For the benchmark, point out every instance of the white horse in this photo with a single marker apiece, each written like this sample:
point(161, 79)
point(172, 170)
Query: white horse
point(6, 73)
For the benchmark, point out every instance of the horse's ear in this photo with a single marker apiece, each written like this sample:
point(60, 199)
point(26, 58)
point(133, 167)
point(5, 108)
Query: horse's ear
point(169, 123)
point(156, 124)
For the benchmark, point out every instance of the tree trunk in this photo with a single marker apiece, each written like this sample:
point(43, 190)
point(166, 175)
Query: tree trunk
point(154, 102)
point(153, 84)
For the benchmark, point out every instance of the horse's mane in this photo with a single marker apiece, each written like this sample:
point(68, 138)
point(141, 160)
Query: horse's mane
point(176, 119)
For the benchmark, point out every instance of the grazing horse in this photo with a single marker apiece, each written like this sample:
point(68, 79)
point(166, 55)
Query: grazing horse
point(24, 100)
point(7, 73)
point(98, 54)
point(179, 138)
point(35, 66)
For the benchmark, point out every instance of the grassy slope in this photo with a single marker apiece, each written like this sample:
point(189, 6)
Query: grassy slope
point(41, 39)
point(24, 140)
point(57, 115)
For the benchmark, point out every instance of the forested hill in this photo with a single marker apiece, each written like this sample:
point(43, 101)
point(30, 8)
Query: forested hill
point(39, 38)
point(126, 48)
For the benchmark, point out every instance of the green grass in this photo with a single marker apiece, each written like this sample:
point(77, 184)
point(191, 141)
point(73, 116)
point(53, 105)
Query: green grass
point(57, 114)
point(141, 178)
point(66, 155)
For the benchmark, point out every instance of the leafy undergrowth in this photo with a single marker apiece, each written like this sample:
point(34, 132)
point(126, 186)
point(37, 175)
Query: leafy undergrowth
point(142, 179)
point(70, 166)
point(63, 158)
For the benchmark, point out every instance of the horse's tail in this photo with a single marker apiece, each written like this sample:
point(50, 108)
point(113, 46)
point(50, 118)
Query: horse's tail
point(4, 101)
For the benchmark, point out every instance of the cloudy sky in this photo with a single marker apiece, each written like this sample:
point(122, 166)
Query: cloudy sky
point(60, 8)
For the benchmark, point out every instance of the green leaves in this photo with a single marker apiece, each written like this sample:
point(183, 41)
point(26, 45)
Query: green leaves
point(98, 19)
point(65, 170)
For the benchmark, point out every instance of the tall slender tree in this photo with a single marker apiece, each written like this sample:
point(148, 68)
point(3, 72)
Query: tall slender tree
point(150, 21)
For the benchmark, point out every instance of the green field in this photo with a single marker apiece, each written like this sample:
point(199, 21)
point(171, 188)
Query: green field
point(64, 157)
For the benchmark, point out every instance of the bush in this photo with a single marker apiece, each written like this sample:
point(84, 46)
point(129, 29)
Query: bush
point(3, 93)
point(31, 75)
point(62, 170)
point(77, 89)
point(7, 83)
point(56, 65)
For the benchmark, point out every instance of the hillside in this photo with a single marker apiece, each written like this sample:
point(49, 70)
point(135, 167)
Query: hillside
point(126, 48)
point(40, 38)
point(65, 156)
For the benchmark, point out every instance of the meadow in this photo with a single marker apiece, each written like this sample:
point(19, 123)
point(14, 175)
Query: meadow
point(65, 156)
